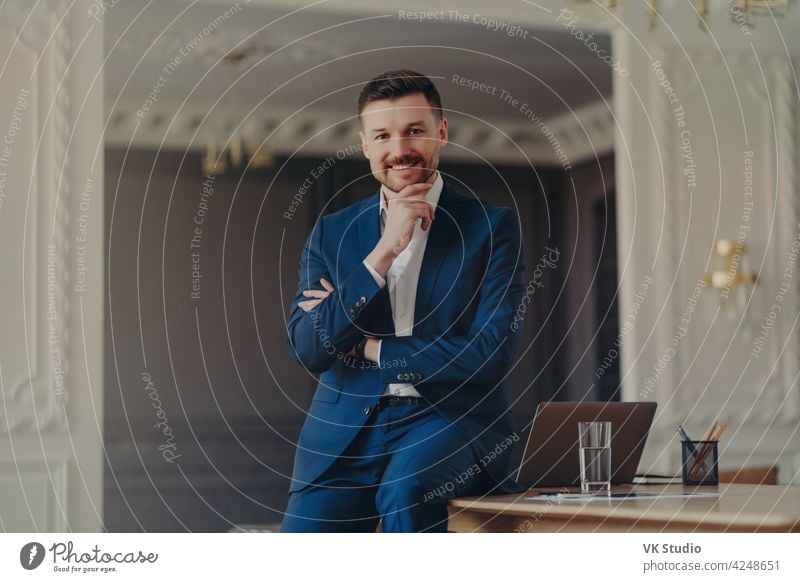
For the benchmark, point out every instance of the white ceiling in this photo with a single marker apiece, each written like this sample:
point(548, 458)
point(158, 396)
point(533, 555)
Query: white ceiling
point(305, 62)
point(320, 51)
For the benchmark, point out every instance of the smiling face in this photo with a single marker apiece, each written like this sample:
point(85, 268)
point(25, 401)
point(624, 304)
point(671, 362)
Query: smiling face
point(402, 138)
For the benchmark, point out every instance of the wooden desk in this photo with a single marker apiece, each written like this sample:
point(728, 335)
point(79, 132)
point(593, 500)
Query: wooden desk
point(739, 508)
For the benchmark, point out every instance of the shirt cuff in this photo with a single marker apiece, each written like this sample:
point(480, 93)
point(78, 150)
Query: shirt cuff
point(378, 358)
point(379, 281)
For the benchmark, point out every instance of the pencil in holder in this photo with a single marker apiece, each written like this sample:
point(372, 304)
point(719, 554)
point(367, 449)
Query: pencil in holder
point(699, 462)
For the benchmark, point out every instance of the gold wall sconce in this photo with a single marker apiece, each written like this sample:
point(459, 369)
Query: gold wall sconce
point(733, 280)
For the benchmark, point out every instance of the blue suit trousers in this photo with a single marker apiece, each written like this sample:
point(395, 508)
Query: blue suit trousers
point(400, 469)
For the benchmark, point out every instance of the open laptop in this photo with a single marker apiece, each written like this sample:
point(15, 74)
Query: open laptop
point(551, 453)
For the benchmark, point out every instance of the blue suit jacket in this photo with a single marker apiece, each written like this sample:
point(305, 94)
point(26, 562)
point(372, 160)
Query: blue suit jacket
point(462, 347)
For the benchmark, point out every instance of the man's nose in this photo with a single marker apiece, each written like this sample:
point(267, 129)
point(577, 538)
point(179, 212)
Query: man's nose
point(399, 148)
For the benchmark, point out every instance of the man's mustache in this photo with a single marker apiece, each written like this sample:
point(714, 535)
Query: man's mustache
point(405, 162)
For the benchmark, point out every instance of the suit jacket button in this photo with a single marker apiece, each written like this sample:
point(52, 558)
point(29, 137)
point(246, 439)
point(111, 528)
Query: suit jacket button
point(366, 410)
point(352, 313)
point(417, 377)
point(361, 301)
point(400, 377)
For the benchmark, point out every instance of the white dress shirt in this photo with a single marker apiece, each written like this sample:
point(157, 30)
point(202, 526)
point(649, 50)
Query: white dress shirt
point(402, 279)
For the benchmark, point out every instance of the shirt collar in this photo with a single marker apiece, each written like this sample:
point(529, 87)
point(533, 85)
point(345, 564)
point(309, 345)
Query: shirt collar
point(433, 194)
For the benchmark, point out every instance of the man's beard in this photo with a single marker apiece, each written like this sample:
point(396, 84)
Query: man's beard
point(420, 172)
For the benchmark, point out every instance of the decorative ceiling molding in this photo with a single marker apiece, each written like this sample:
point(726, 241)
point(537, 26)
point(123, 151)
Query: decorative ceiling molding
point(218, 45)
point(582, 134)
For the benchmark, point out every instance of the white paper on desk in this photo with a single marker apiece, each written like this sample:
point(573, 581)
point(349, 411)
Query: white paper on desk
point(615, 496)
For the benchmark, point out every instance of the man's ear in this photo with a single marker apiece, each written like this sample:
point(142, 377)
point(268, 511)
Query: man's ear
point(364, 144)
point(443, 131)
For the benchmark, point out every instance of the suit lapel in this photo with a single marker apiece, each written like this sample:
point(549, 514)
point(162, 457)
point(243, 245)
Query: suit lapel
point(369, 225)
point(443, 230)
point(369, 231)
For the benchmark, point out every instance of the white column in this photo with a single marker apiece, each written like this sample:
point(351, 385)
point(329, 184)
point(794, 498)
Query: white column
point(51, 291)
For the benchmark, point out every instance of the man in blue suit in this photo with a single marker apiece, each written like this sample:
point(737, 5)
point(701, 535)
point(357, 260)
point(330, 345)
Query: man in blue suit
point(404, 308)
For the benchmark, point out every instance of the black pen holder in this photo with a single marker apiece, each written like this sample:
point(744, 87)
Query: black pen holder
point(699, 462)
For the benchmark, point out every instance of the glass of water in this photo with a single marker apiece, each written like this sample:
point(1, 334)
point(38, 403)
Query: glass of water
point(594, 439)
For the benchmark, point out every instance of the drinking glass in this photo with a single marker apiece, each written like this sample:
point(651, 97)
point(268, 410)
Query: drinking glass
point(594, 439)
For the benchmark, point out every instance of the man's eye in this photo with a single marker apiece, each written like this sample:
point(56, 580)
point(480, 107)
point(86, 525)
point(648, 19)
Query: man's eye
point(381, 136)
point(415, 131)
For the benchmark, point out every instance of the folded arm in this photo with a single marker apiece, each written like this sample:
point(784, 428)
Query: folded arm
point(485, 354)
point(331, 327)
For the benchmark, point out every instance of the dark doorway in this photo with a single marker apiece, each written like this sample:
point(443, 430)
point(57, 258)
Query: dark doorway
point(218, 365)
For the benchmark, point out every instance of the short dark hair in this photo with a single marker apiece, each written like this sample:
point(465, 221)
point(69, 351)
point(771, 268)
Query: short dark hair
point(394, 84)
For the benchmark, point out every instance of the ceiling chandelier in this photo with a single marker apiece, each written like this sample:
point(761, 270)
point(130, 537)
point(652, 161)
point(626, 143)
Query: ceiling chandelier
point(236, 154)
